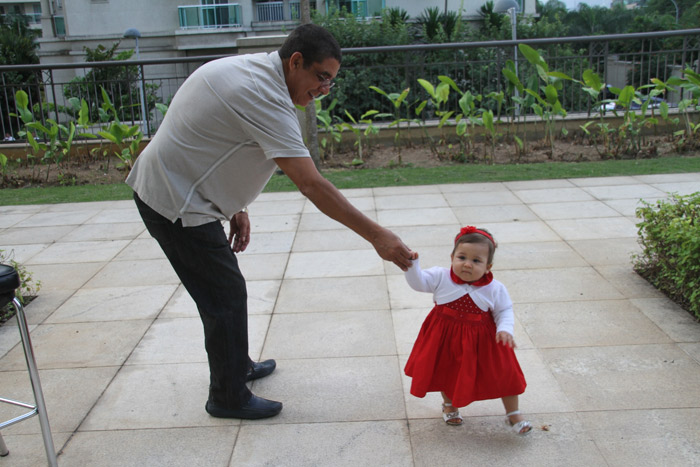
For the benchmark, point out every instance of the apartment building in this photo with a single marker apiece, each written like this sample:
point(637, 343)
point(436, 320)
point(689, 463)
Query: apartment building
point(177, 28)
point(29, 9)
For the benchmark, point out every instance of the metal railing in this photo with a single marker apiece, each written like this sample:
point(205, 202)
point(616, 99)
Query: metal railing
point(226, 15)
point(275, 11)
point(619, 60)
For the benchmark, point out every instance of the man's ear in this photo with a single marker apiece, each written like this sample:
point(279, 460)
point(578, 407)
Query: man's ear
point(296, 60)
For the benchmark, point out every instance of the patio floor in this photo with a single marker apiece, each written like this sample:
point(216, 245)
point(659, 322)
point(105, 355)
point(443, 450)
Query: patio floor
point(613, 367)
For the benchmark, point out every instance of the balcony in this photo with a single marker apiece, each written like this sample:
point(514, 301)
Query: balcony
point(268, 12)
point(226, 15)
point(359, 8)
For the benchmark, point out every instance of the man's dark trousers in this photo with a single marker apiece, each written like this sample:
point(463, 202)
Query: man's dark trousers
point(204, 262)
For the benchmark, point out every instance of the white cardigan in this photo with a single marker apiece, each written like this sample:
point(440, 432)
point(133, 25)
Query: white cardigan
point(492, 297)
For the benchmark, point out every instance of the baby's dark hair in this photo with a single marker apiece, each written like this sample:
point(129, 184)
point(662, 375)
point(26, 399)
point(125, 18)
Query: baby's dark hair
point(475, 237)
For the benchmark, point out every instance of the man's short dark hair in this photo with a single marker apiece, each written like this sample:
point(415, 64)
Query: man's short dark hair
point(315, 43)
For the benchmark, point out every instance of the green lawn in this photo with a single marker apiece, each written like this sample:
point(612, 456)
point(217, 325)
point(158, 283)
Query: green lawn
point(369, 178)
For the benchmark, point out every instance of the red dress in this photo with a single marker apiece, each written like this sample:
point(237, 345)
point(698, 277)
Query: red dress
point(456, 352)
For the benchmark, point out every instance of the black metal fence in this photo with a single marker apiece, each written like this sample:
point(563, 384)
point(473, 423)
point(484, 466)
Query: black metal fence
point(55, 91)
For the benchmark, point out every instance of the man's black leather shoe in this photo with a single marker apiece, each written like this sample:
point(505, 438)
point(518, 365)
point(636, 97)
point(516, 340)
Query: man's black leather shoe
point(260, 369)
point(255, 408)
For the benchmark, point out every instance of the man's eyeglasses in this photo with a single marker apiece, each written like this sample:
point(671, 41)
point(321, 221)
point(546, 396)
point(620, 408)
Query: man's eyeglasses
point(325, 82)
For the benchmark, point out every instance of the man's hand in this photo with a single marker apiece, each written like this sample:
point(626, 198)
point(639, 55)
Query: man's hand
point(390, 248)
point(239, 235)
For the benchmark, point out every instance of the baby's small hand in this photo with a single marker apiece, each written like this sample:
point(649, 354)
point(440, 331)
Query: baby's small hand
point(414, 255)
point(505, 339)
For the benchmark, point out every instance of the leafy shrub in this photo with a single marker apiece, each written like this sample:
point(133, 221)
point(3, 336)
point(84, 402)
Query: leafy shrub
point(670, 237)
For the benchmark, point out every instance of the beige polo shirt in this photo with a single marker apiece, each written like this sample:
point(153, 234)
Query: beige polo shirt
point(213, 153)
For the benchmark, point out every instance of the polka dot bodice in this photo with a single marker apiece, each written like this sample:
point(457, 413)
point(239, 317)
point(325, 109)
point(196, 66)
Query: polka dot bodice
point(464, 304)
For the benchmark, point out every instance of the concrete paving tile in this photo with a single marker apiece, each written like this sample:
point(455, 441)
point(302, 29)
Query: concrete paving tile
point(9, 336)
point(400, 190)
point(28, 450)
point(536, 255)
point(552, 195)
point(587, 324)
point(362, 203)
point(676, 322)
point(69, 395)
point(680, 188)
point(557, 285)
point(328, 240)
point(385, 443)
point(134, 273)
point(628, 207)
point(628, 282)
point(355, 193)
point(9, 219)
point(485, 441)
point(607, 252)
point(469, 215)
point(575, 210)
point(33, 235)
point(117, 216)
point(262, 296)
point(646, 437)
point(626, 377)
point(191, 447)
point(309, 295)
point(520, 232)
point(90, 206)
point(604, 181)
point(141, 248)
point(286, 223)
point(48, 218)
point(334, 390)
point(407, 323)
point(46, 303)
point(692, 349)
point(93, 232)
point(79, 252)
point(539, 184)
point(404, 217)
point(589, 229)
point(420, 236)
point(624, 192)
point(181, 340)
point(22, 253)
point(270, 242)
point(22, 209)
point(402, 296)
point(77, 345)
point(330, 334)
point(180, 305)
point(304, 265)
point(279, 196)
point(64, 276)
point(171, 340)
point(462, 187)
point(113, 304)
point(155, 396)
point(263, 267)
point(482, 198)
point(282, 207)
point(669, 178)
point(411, 201)
point(315, 222)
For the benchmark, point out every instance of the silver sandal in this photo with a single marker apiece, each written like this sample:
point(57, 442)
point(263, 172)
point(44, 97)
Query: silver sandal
point(520, 426)
point(452, 418)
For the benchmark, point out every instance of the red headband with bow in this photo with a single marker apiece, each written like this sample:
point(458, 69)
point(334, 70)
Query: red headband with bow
point(471, 229)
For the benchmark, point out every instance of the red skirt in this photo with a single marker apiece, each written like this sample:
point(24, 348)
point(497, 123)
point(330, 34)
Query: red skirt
point(456, 353)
